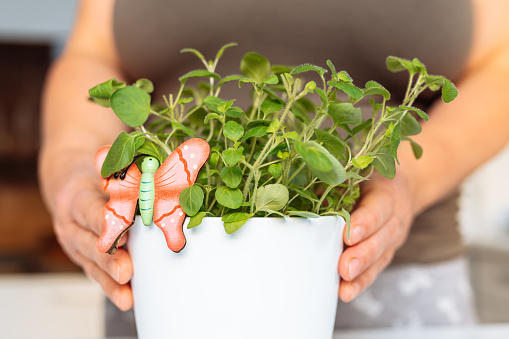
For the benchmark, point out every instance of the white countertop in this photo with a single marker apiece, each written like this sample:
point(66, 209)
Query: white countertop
point(491, 331)
point(70, 306)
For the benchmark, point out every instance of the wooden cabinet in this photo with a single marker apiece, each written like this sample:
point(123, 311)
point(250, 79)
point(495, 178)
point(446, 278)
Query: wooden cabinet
point(27, 242)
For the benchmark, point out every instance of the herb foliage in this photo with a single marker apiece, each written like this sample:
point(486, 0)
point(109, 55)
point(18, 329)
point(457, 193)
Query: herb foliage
point(274, 158)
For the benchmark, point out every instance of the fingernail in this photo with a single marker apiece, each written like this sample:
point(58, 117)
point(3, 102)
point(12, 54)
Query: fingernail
point(356, 234)
point(354, 267)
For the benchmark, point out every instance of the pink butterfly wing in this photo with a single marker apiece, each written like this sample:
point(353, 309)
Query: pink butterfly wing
point(119, 211)
point(177, 172)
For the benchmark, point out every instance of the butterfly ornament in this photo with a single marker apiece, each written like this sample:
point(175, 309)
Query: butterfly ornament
point(156, 187)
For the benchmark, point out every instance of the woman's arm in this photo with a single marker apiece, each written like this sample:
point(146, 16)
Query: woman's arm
point(459, 137)
point(73, 129)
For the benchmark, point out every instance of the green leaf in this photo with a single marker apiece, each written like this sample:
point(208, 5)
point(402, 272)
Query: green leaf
point(259, 131)
point(120, 155)
point(145, 84)
point(353, 175)
point(310, 87)
point(449, 91)
point(345, 113)
point(384, 163)
point(233, 130)
point(410, 126)
point(419, 66)
point(224, 106)
point(235, 112)
point(275, 170)
point(291, 135)
point(394, 142)
point(191, 199)
point(344, 76)
point(374, 88)
point(299, 115)
point(214, 158)
point(346, 216)
point(274, 126)
point(233, 78)
point(229, 197)
point(196, 219)
point(280, 69)
point(335, 175)
point(221, 51)
point(272, 80)
point(395, 65)
point(131, 105)
point(271, 197)
point(185, 100)
point(416, 148)
point(305, 194)
point(102, 102)
point(139, 141)
point(105, 90)
point(289, 78)
point(199, 73)
point(231, 176)
point(177, 126)
point(233, 221)
point(322, 95)
point(376, 106)
point(313, 155)
point(308, 67)
point(330, 142)
point(434, 82)
point(352, 90)
point(195, 52)
point(236, 216)
point(362, 161)
point(332, 68)
point(246, 79)
point(210, 116)
point(255, 66)
point(302, 214)
point(232, 227)
point(232, 156)
point(419, 112)
point(150, 148)
point(212, 102)
point(256, 123)
point(271, 106)
point(306, 105)
point(362, 126)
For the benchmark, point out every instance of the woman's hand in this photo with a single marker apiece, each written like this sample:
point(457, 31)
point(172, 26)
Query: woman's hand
point(379, 226)
point(78, 222)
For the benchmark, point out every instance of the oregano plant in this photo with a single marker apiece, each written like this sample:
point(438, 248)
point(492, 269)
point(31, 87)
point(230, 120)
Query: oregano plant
point(300, 150)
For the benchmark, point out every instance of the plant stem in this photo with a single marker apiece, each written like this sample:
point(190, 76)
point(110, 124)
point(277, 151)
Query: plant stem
point(209, 183)
point(324, 195)
point(155, 140)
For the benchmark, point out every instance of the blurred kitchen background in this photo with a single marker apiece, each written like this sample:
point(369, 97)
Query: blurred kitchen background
point(44, 295)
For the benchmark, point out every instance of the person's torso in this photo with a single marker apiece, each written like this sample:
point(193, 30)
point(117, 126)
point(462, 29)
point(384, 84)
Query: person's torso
point(356, 35)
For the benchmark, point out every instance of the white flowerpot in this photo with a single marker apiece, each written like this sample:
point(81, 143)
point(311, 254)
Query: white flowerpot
point(273, 278)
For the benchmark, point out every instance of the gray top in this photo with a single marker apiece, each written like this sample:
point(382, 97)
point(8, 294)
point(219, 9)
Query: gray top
point(356, 35)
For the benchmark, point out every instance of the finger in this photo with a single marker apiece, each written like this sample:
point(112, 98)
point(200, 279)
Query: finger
point(120, 295)
point(374, 209)
point(119, 266)
point(356, 259)
point(87, 210)
point(349, 290)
